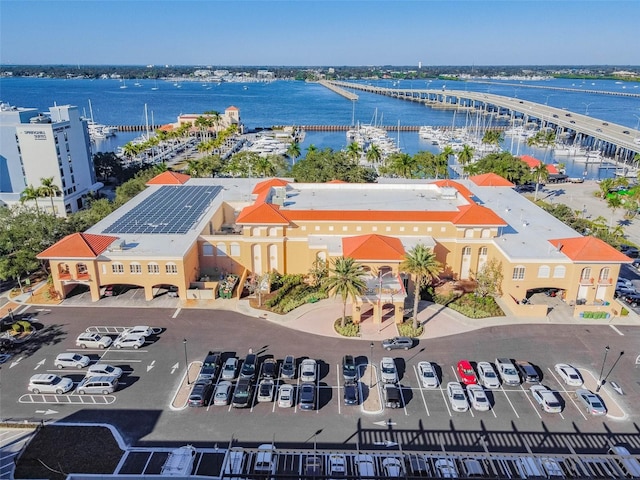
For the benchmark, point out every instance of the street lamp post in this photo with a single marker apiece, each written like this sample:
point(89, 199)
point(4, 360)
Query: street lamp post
point(371, 364)
point(186, 361)
point(638, 122)
point(606, 350)
point(587, 105)
point(604, 380)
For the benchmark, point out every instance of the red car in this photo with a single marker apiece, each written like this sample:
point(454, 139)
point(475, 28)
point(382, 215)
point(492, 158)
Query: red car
point(467, 374)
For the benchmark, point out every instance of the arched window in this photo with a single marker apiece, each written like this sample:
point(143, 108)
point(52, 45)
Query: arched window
point(466, 251)
point(234, 249)
point(153, 268)
point(468, 233)
point(604, 275)
point(518, 272)
point(486, 233)
point(117, 267)
point(171, 268)
point(273, 232)
point(221, 249)
point(544, 271)
point(585, 275)
point(135, 268)
point(483, 251)
point(559, 271)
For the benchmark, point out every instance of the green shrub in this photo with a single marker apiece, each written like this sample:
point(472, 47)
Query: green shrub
point(405, 329)
point(624, 312)
point(350, 329)
point(473, 306)
point(444, 299)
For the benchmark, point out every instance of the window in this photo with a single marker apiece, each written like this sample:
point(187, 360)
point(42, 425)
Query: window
point(466, 251)
point(171, 268)
point(402, 229)
point(559, 271)
point(81, 268)
point(207, 250)
point(416, 229)
point(374, 229)
point(345, 229)
point(221, 249)
point(387, 229)
point(486, 233)
point(443, 229)
point(153, 268)
point(518, 273)
point(544, 271)
point(604, 275)
point(117, 268)
point(483, 251)
point(358, 228)
point(586, 274)
point(331, 228)
point(273, 232)
point(317, 228)
point(135, 268)
point(235, 249)
point(468, 233)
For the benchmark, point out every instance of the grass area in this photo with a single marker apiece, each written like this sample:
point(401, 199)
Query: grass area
point(350, 329)
point(57, 451)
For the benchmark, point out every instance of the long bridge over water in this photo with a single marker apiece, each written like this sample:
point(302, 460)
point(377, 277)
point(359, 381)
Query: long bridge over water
point(613, 140)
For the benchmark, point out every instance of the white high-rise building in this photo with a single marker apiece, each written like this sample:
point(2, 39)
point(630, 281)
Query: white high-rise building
point(34, 146)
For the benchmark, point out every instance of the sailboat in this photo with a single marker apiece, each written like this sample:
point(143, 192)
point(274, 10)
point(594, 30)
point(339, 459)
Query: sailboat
point(155, 87)
point(124, 83)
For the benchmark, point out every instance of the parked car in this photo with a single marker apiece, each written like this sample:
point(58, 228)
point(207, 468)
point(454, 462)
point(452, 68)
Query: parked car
point(265, 460)
point(97, 385)
point(210, 366)
point(568, 374)
point(336, 466)
point(143, 330)
point(93, 340)
point(351, 393)
point(392, 467)
point(364, 465)
point(624, 283)
point(487, 375)
point(200, 393)
point(397, 343)
point(349, 373)
point(446, 468)
point(591, 402)
point(388, 371)
point(528, 372)
point(427, 374)
point(457, 398)
point(269, 368)
point(288, 367)
point(467, 375)
point(129, 341)
point(307, 396)
point(308, 370)
point(248, 369)
point(392, 398)
point(102, 370)
point(242, 396)
point(313, 466)
point(633, 299)
point(265, 390)
point(546, 399)
point(478, 398)
point(508, 372)
point(49, 383)
point(221, 393)
point(229, 369)
point(285, 396)
point(73, 360)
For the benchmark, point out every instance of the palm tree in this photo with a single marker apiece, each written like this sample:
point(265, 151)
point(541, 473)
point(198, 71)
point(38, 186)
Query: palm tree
point(346, 278)
point(354, 151)
point(374, 155)
point(540, 173)
point(492, 137)
point(263, 167)
point(420, 262)
point(543, 138)
point(49, 189)
point(30, 193)
point(402, 164)
point(465, 156)
point(293, 151)
point(613, 202)
point(312, 149)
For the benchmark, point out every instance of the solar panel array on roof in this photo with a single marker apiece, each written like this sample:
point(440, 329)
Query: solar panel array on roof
point(170, 209)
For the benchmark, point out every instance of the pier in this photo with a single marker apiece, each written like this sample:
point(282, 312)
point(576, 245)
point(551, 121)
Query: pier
point(340, 91)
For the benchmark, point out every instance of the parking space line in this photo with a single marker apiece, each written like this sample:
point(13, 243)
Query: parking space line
point(338, 382)
point(533, 405)
point(424, 400)
point(444, 399)
point(616, 330)
point(507, 397)
point(404, 404)
point(455, 374)
point(176, 313)
point(567, 393)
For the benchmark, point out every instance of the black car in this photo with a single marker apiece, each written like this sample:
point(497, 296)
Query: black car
point(348, 368)
point(200, 394)
point(307, 396)
point(351, 394)
point(248, 369)
point(243, 393)
point(210, 366)
point(633, 299)
point(289, 367)
point(528, 372)
point(269, 367)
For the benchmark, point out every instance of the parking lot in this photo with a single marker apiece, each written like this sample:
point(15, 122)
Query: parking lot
point(140, 407)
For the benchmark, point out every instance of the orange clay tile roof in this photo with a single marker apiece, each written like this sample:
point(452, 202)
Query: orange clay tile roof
point(373, 247)
point(231, 108)
point(166, 128)
point(490, 180)
point(589, 249)
point(475, 214)
point(267, 184)
point(534, 162)
point(337, 181)
point(78, 245)
point(262, 214)
point(169, 178)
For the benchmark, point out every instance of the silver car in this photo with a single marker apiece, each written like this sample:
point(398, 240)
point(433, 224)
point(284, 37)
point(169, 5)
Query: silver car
point(546, 399)
point(222, 393)
point(457, 398)
point(308, 370)
point(103, 370)
point(73, 360)
point(229, 369)
point(592, 402)
point(428, 375)
point(487, 375)
point(388, 370)
point(478, 398)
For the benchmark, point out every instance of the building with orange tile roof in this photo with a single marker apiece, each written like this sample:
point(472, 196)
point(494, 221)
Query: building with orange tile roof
point(187, 233)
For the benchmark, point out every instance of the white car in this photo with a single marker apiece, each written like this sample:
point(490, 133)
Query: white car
point(364, 465)
point(507, 371)
point(446, 468)
point(129, 341)
point(388, 370)
point(143, 330)
point(428, 375)
point(336, 466)
point(392, 467)
point(103, 370)
point(49, 383)
point(478, 398)
point(487, 375)
point(308, 370)
point(229, 369)
point(546, 399)
point(221, 393)
point(569, 374)
point(285, 396)
point(457, 398)
point(265, 390)
point(93, 340)
point(72, 360)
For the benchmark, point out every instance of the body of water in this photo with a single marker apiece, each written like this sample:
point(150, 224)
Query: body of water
point(299, 103)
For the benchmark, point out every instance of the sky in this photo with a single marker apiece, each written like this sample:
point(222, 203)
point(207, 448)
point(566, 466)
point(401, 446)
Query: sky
point(320, 32)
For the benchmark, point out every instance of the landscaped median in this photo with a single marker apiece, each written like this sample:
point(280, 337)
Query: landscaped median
point(181, 397)
point(370, 390)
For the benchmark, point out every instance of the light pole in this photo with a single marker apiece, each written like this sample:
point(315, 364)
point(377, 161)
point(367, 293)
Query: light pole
point(587, 105)
point(371, 365)
point(546, 102)
point(186, 362)
point(638, 122)
point(606, 350)
point(604, 380)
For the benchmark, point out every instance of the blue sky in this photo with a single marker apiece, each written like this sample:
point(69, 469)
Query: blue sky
point(328, 32)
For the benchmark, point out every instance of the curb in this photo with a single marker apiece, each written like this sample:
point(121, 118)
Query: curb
point(184, 384)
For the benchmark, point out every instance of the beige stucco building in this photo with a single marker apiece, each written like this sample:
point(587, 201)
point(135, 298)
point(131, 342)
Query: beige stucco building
point(189, 234)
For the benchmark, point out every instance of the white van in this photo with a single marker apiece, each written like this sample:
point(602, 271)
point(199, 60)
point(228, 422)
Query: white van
point(103, 385)
point(629, 465)
point(179, 463)
point(234, 464)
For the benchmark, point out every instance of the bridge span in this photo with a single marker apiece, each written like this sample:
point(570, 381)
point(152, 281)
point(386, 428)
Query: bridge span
point(613, 140)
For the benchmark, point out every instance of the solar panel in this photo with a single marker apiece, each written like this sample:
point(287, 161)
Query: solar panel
point(170, 209)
